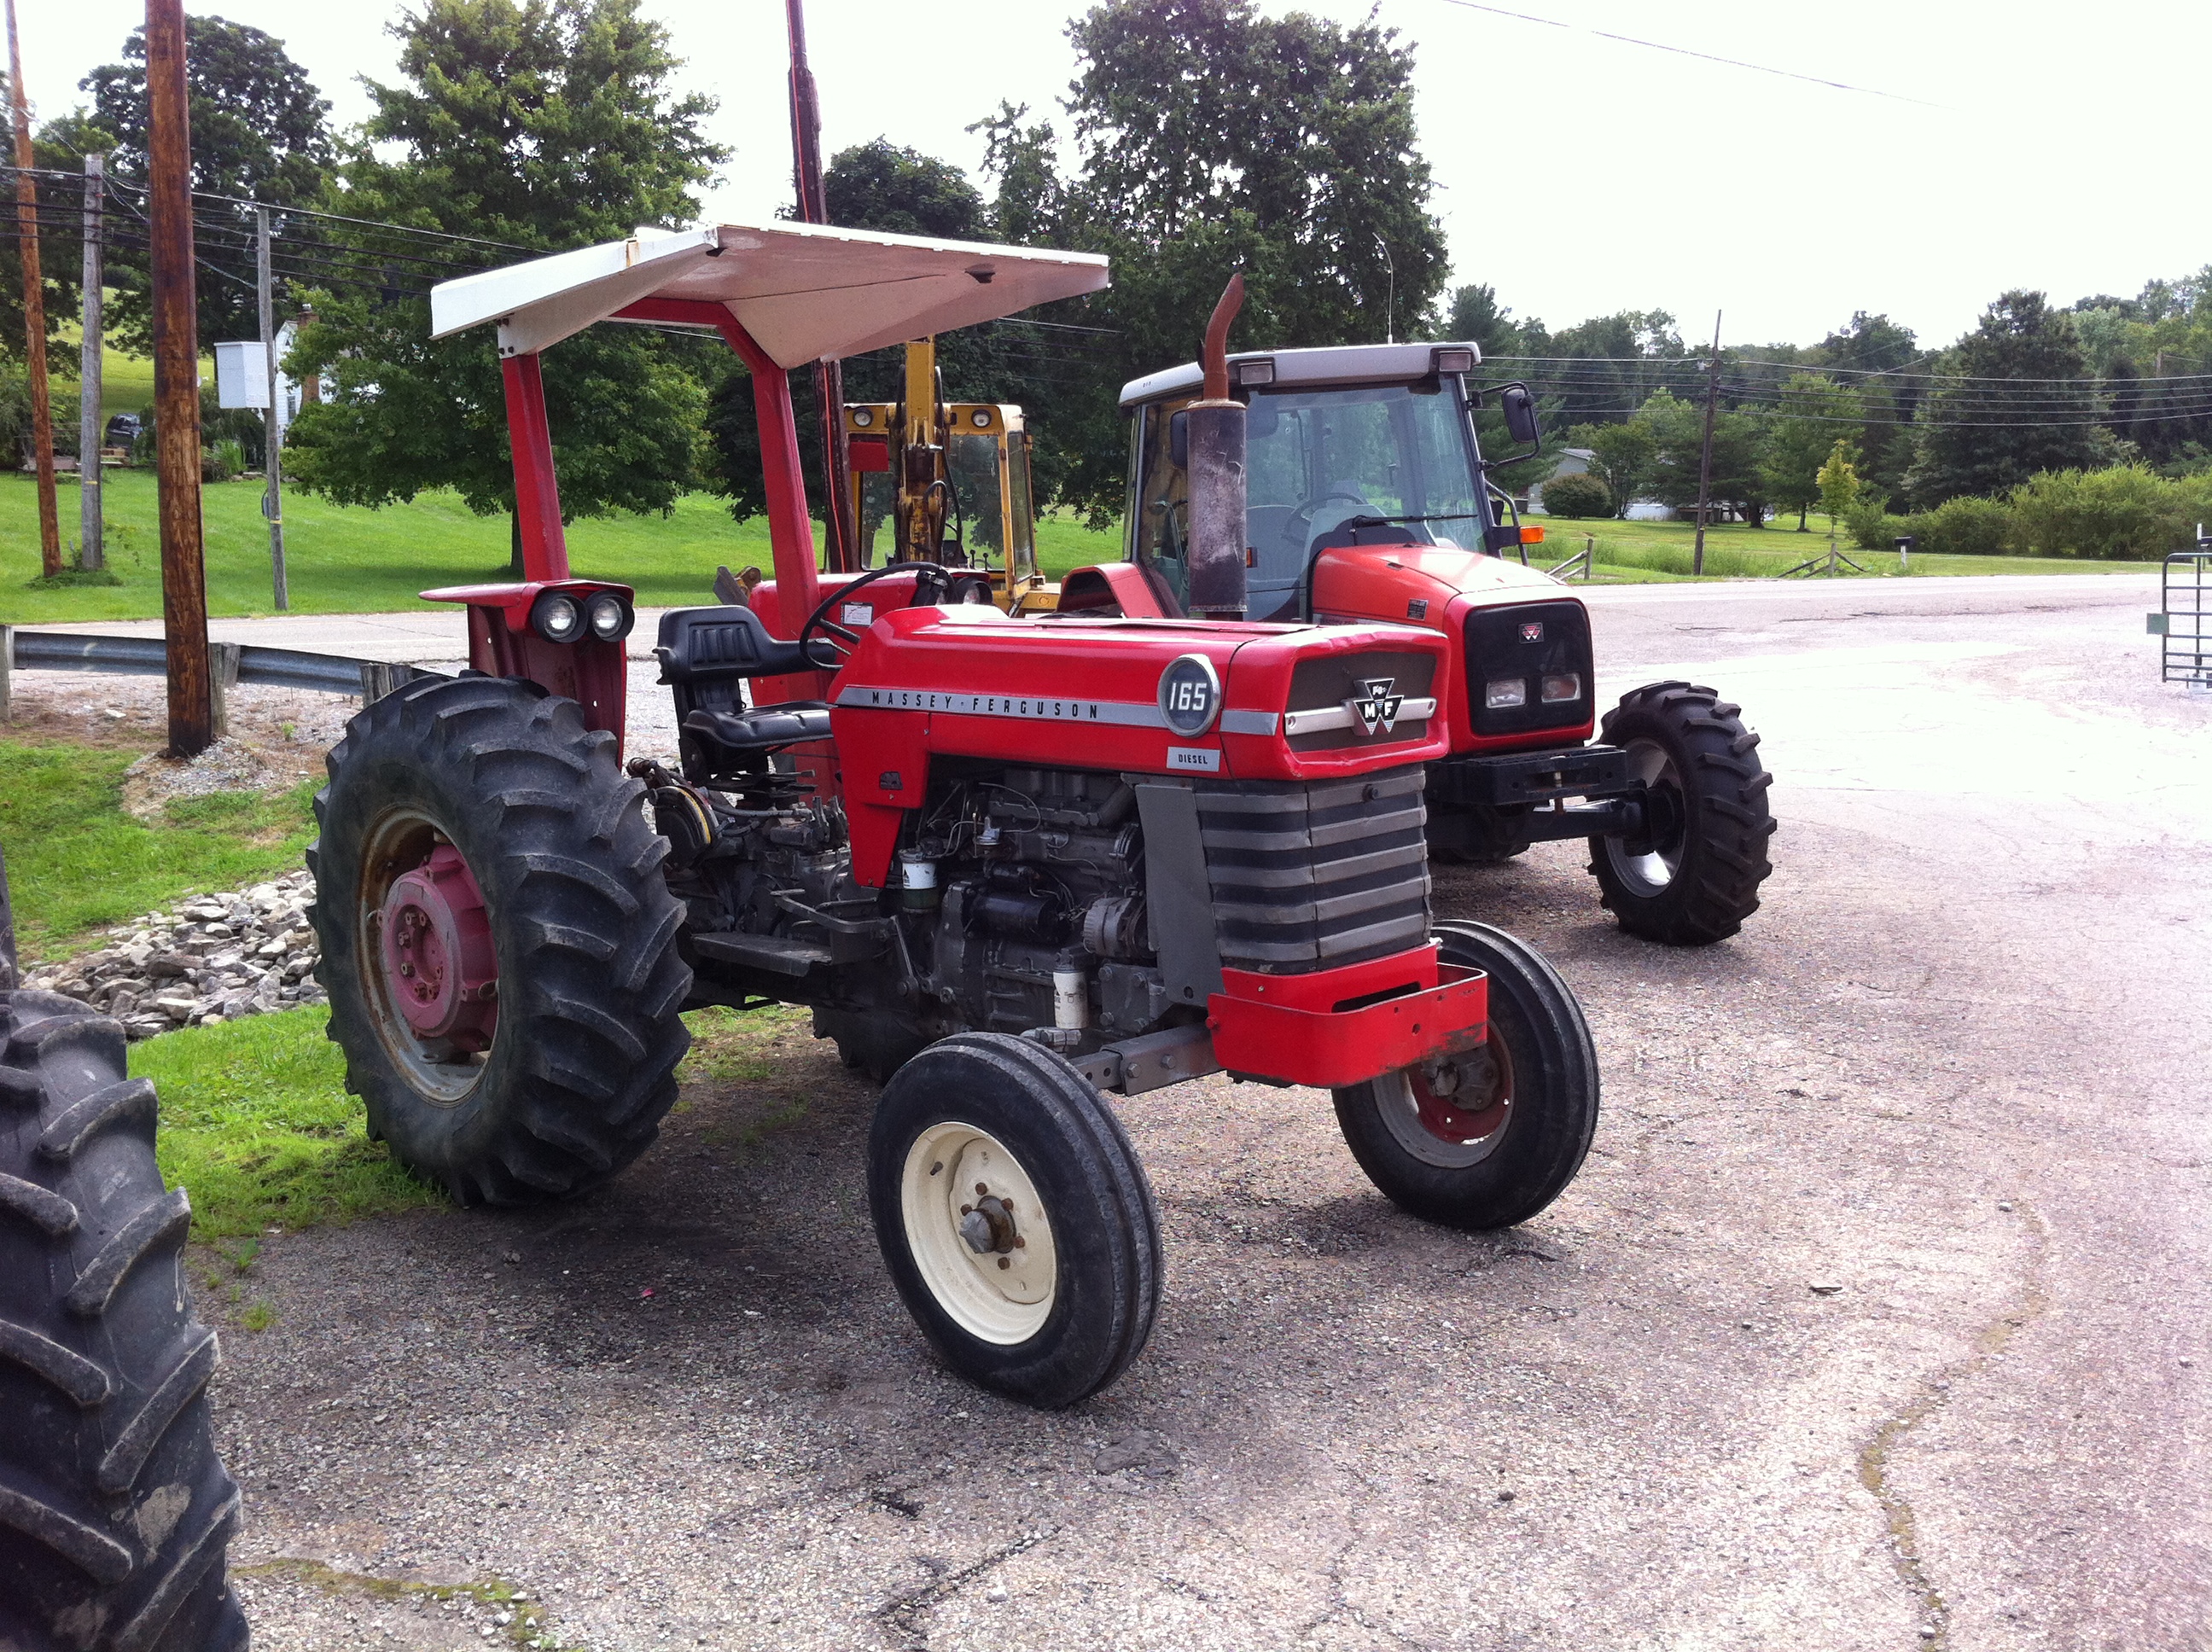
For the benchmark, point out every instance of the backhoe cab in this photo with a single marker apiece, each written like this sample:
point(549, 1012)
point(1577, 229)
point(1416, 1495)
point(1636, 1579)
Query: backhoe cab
point(947, 483)
point(1369, 499)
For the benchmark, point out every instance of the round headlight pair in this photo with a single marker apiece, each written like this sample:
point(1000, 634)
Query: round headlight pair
point(559, 617)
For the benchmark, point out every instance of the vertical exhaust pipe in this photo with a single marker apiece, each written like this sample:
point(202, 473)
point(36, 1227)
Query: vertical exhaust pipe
point(1216, 428)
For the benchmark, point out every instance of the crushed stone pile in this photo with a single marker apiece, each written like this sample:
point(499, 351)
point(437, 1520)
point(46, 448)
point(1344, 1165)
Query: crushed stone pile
point(213, 958)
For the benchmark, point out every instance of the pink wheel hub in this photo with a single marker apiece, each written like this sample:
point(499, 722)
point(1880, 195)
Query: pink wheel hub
point(439, 965)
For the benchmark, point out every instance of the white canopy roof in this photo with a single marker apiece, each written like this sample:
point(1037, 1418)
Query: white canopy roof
point(805, 292)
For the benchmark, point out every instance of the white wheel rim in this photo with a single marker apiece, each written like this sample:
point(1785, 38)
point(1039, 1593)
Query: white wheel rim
point(1401, 1111)
point(1653, 873)
point(1004, 1305)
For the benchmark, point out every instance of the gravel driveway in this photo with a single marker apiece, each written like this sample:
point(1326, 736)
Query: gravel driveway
point(1878, 1318)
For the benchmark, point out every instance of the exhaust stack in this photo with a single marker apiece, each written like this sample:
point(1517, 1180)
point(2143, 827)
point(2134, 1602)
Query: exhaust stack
point(1216, 426)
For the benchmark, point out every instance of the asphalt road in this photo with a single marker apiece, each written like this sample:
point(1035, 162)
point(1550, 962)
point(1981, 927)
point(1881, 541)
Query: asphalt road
point(1953, 1075)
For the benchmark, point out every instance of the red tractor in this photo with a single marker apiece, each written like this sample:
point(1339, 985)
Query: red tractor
point(1013, 866)
point(1369, 499)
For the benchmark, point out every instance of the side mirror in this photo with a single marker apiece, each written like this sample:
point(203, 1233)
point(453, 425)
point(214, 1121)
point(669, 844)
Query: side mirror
point(1261, 417)
point(1519, 407)
point(1179, 440)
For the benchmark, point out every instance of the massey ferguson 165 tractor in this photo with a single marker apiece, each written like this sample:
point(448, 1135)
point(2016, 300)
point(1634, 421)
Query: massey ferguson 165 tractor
point(1014, 866)
point(1369, 499)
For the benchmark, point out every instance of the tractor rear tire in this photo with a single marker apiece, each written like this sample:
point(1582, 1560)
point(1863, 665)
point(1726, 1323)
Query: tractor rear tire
point(115, 1512)
point(1698, 880)
point(580, 1063)
point(1064, 1296)
point(1498, 1158)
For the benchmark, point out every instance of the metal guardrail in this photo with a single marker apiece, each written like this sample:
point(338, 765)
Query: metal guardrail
point(233, 662)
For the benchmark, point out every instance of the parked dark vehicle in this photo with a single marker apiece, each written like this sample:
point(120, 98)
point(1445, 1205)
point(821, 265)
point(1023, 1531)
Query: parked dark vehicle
point(123, 429)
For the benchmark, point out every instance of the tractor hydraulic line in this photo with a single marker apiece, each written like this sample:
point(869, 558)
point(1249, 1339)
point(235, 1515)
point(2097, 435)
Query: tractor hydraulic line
point(1216, 476)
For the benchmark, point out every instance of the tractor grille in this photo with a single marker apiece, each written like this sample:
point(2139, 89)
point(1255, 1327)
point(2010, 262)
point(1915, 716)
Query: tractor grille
point(1309, 876)
point(1523, 642)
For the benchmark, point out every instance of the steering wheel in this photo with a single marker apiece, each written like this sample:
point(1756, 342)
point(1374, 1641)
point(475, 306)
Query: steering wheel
point(1297, 530)
point(842, 639)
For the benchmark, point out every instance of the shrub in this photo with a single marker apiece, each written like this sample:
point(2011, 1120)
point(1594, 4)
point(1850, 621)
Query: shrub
point(1965, 526)
point(1873, 528)
point(2124, 512)
point(1577, 495)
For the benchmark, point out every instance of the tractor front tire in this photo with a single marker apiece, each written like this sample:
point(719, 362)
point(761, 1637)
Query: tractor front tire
point(115, 1513)
point(1498, 1156)
point(1697, 879)
point(1014, 1217)
point(567, 1081)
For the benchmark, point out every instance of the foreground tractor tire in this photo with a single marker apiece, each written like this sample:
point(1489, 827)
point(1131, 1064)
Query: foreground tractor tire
point(115, 1514)
point(498, 942)
point(1697, 879)
point(1496, 1158)
point(1015, 1218)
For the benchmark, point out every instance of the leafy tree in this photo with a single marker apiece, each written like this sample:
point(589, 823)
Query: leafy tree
point(1677, 428)
point(1623, 454)
point(1838, 483)
point(901, 192)
point(548, 124)
point(1475, 317)
point(1814, 410)
point(259, 131)
point(1211, 136)
point(1610, 365)
point(1971, 441)
point(1876, 356)
point(60, 249)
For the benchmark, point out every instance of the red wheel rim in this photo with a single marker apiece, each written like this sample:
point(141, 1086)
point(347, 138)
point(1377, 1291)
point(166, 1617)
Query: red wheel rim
point(1462, 1118)
point(441, 971)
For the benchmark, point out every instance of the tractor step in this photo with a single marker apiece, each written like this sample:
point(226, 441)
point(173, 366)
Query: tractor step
point(783, 955)
point(1583, 771)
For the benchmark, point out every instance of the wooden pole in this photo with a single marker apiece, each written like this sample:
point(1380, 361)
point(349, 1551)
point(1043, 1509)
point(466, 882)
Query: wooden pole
point(828, 376)
point(272, 507)
point(34, 311)
point(1705, 454)
point(92, 551)
point(177, 380)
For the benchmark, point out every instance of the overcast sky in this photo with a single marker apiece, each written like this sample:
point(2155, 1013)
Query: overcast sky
point(1578, 175)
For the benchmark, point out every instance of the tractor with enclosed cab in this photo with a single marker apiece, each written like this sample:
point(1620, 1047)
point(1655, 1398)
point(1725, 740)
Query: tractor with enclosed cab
point(1025, 871)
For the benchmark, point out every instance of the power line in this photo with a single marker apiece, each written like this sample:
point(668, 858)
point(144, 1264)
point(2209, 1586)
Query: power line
point(1685, 52)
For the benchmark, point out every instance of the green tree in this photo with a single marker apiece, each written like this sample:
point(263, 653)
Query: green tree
point(1475, 317)
point(1209, 137)
point(549, 124)
point(1813, 411)
point(1838, 484)
point(1974, 438)
point(1677, 430)
point(53, 147)
point(260, 131)
point(1881, 360)
point(901, 191)
point(1623, 454)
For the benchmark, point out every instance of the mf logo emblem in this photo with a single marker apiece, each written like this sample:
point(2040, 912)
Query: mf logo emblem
point(1375, 706)
point(1533, 631)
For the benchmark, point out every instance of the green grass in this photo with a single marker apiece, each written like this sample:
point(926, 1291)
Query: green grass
point(257, 1123)
point(1630, 552)
point(343, 559)
point(77, 861)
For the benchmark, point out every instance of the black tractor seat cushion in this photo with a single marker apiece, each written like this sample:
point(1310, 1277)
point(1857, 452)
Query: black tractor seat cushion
point(716, 744)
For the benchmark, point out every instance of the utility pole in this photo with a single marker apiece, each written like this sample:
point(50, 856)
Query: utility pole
point(1705, 455)
point(272, 467)
point(828, 376)
point(91, 433)
point(177, 380)
point(34, 311)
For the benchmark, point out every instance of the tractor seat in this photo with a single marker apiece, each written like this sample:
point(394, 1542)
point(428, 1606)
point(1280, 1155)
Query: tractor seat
point(718, 743)
point(722, 645)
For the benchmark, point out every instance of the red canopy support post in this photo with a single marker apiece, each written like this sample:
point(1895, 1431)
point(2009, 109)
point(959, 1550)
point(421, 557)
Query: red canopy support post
point(790, 529)
point(536, 493)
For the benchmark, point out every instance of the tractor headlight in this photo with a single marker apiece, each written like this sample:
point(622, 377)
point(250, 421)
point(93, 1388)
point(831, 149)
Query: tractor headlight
point(1562, 685)
point(610, 618)
point(1502, 692)
point(557, 617)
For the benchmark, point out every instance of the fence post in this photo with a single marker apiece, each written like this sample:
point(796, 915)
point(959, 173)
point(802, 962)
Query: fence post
point(223, 678)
